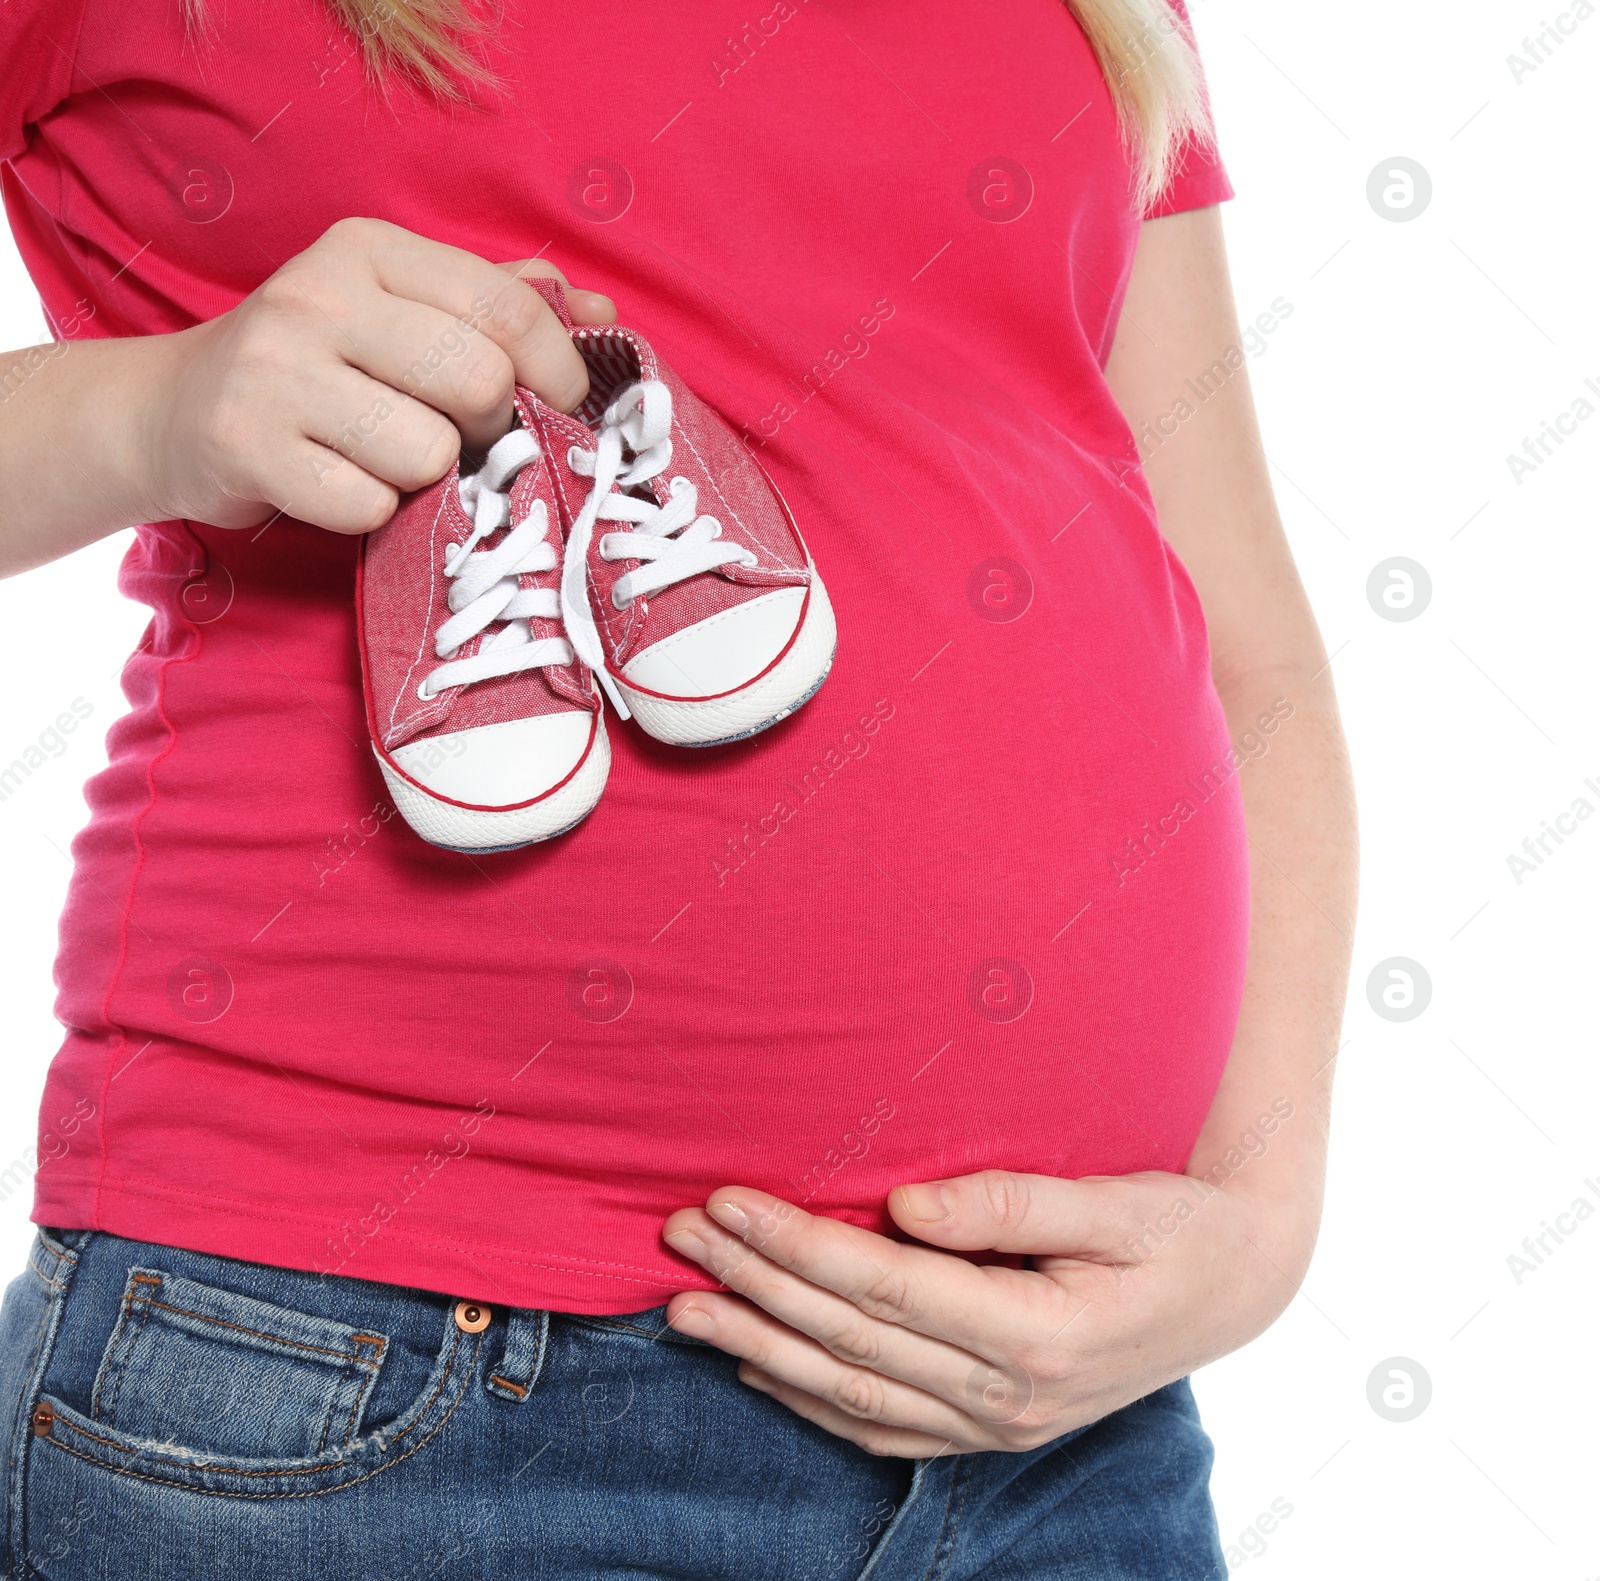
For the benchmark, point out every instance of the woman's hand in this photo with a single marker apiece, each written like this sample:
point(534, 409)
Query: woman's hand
point(353, 375)
point(1135, 1281)
point(356, 373)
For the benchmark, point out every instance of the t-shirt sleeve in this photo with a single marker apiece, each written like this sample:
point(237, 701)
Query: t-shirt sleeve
point(1198, 181)
point(1198, 178)
point(38, 40)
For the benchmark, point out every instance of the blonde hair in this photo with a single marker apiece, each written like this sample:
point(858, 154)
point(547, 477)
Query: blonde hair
point(1147, 55)
point(1144, 47)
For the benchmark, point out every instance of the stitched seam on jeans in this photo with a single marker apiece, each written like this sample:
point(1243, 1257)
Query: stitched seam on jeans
point(117, 1360)
point(306, 1471)
point(455, 1352)
point(970, 1469)
point(599, 1320)
point(94, 1396)
point(355, 1358)
point(350, 1422)
point(25, 1408)
point(505, 1383)
point(661, 1336)
point(64, 1255)
point(310, 1493)
point(122, 1351)
point(897, 1519)
point(939, 1564)
point(327, 1423)
point(355, 1409)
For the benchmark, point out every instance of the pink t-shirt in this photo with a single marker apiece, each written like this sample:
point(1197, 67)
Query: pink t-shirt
point(983, 902)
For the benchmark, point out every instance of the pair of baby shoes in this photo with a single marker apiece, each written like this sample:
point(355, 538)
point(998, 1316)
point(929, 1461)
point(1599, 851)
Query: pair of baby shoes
point(633, 548)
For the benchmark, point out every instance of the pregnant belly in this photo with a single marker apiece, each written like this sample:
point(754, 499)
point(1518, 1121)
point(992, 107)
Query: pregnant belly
point(920, 933)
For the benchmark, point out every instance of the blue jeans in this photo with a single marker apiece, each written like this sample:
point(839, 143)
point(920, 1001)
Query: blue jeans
point(168, 1413)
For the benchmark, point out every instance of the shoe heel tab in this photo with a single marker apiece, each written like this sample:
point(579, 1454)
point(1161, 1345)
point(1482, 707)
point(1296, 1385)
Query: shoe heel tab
point(555, 296)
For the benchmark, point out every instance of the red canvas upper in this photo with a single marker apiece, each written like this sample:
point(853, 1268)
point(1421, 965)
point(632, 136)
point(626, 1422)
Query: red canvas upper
point(402, 600)
point(982, 902)
point(730, 485)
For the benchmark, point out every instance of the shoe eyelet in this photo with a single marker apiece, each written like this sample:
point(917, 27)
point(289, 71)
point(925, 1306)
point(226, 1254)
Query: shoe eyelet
point(424, 693)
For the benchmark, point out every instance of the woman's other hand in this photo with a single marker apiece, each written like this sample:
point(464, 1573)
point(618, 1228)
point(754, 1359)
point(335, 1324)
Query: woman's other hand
point(1135, 1280)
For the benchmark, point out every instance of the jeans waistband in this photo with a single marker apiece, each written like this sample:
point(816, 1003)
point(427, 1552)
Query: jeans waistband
point(52, 1256)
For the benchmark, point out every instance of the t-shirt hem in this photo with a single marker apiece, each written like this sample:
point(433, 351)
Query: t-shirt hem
point(283, 1238)
point(1196, 189)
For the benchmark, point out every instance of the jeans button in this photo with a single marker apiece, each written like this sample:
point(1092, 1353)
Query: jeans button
point(44, 1418)
point(472, 1317)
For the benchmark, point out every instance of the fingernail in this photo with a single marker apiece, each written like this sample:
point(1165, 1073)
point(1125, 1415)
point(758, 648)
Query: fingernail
point(927, 1203)
point(696, 1322)
point(730, 1216)
point(755, 1380)
point(687, 1244)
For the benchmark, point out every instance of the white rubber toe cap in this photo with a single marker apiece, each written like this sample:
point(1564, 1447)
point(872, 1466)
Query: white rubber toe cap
point(501, 765)
point(721, 653)
point(498, 787)
point(796, 665)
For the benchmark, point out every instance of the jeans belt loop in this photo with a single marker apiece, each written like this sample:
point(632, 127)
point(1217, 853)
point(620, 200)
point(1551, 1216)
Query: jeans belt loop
point(527, 1334)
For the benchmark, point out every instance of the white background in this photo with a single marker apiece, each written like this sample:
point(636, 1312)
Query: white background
point(1419, 353)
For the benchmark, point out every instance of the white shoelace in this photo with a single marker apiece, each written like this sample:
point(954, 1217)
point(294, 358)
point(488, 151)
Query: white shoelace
point(484, 582)
point(673, 541)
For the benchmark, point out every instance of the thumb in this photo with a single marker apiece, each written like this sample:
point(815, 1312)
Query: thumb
point(1038, 1215)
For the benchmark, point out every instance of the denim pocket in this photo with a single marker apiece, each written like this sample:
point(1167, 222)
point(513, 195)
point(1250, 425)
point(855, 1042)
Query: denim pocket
point(227, 1374)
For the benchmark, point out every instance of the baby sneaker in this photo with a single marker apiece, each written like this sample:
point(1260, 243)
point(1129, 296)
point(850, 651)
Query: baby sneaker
point(686, 587)
point(486, 726)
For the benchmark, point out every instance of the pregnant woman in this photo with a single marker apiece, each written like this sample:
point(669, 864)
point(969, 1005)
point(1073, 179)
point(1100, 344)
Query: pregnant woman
point(833, 1155)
